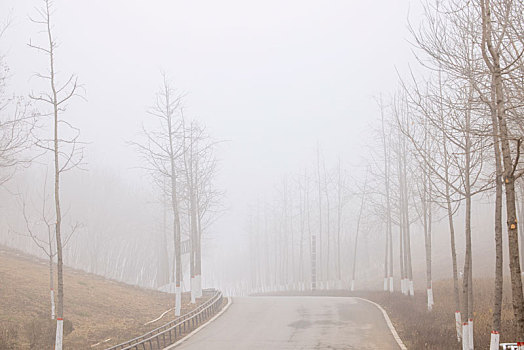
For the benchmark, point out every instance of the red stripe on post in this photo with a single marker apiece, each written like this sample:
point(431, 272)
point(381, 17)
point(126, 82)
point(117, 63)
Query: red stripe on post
point(494, 332)
point(59, 319)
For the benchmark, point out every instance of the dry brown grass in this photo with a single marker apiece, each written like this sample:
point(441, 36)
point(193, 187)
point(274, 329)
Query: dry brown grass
point(421, 329)
point(95, 308)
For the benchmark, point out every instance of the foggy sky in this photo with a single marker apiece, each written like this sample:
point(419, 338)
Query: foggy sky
point(272, 78)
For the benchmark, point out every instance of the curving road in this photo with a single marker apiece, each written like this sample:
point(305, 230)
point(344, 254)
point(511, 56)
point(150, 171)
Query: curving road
point(278, 323)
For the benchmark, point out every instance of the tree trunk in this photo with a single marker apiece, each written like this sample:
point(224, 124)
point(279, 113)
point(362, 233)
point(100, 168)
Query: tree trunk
point(58, 223)
point(467, 288)
point(176, 214)
point(497, 303)
point(319, 217)
point(51, 286)
point(356, 237)
point(389, 234)
point(428, 246)
point(339, 215)
point(449, 208)
point(401, 225)
point(508, 174)
point(407, 233)
point(386, 262)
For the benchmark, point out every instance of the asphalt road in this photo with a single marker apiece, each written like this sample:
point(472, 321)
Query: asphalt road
point(278, 323)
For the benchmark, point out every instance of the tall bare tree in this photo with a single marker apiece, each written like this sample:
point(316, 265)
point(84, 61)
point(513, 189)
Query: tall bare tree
point(64, 144)
point(204, 199)
point(162, 150)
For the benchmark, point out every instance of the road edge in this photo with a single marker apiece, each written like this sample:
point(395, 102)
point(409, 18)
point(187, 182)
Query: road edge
point(172, 346)
point(388, 322)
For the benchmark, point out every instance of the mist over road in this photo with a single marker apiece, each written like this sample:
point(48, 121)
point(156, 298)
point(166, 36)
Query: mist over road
point(275, 323)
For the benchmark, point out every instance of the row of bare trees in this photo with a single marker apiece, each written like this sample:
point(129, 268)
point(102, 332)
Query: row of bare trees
point(451, 133)
point(300, 237)
point(460, 123)
point(180, 157)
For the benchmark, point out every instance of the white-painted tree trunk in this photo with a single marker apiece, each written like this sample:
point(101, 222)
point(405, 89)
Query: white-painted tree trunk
point(352, 285)
point(193, 292)
point(385, 284)
point(458, 325)
point(178, 301)
point(430, 299)
point(495, 340)
point(198, 281)
point(59, 333)
point(411, 288)
point(470, 334)
point(391, 284)
point(465, 336)
point(53, 313)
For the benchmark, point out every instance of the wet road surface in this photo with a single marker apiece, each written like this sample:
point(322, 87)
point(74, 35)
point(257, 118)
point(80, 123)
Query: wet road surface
point(278, 323)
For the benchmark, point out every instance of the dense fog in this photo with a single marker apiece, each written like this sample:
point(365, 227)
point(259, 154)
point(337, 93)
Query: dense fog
point(287, 92)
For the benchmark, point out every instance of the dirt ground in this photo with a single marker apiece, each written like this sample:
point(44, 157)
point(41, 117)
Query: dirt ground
point(97, 309)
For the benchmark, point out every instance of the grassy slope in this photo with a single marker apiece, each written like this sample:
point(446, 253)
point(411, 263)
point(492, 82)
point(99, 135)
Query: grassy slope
point(98, 308)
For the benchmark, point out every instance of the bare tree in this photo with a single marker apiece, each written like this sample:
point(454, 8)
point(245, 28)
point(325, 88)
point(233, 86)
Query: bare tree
point(342, 199)
point(204, 200)
point(325, 188)
point(320, 246)
point(64, 144)
point(450, 40)
point(363, 196)
point(401, 115)
point(162, 149)
point(388, 264)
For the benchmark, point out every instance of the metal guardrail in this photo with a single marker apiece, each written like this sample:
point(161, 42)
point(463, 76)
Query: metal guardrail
point(172, 331)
